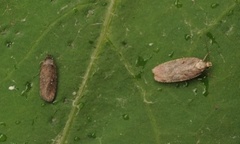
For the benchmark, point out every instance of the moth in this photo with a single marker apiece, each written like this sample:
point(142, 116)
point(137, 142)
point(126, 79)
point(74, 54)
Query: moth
point(180, 69)
point(48, 79)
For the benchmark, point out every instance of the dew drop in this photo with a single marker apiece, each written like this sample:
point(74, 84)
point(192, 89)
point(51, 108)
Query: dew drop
point(28, 87)
point(177, 85)
point(139, 75)
point(90, 42)
point(70, 43)
point(178, 4)
point(3, 137)
point(104, 4)
point(156, 50)
point(9, 44)
point(53, 120)
point(2, 124)
point(140, 62)
point(81, 105)
point(17, 33)
point(92, 135)
point(195, 91)
point(230, 13)
point(205, 93)
point(211, 37)
point(171, 54)
point(150, 44)
point(17, 122)
point(205, 82)
point(74, 93)
point(190, 100)
point(125, 116)
point(214, 5)
point(75, 10)
point(187, 37)
point(185, 84)
point(124, 43)
point(76, 138)
point(89, 119)
point(11, 87)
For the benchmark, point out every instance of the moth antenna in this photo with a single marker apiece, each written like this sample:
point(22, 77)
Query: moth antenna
point(206, 56)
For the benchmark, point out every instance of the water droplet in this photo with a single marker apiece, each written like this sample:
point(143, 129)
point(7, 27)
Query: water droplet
point(190, 100)
point(214, 5)
point(187, 37)
point(74, 93)
point(11, 87)
point(53, 120)
point(81, 105)
point(104, 4)
point(139, 75)
point(177, 85)
point(17, 33)
point(230, 13)
point(150, 44)
point(76, 138)
point(92, 135)
point(125, 116)
point(17, 122)
point(65, 100)
point(140, 62)
point(205, 93)
point(90, 42)
point(75, 10)
point(211, 37)
point(178, 4)
point(3, 137)
point(9, 43)
point(89, 119)
point(171, 54)
point(2, 124)
point(195, 91)
point(70, 43)
point(159, 89)
point(185, 84)
point(28, 87)
point(205, 82)
point(156, 50)
point(124, 43)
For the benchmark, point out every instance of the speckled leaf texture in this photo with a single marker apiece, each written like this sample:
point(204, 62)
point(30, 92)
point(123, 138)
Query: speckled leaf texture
point(105, 51)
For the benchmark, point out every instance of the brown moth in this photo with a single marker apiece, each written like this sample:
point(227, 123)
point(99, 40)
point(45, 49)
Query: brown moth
point(48, 79)
point(180, 69)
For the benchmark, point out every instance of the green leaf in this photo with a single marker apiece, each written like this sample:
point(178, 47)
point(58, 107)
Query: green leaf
point(105, 51)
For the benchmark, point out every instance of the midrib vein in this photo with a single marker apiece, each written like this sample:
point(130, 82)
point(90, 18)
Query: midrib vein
point(61, 138)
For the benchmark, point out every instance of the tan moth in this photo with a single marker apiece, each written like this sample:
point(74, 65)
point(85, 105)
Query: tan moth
point(48, 79)
point(180, 69)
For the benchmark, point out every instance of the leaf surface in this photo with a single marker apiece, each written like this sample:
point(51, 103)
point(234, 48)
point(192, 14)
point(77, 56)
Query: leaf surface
point(105, 51)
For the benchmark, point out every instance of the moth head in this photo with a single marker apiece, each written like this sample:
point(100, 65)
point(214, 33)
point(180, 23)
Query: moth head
point(202, 65)
point(208, 64)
